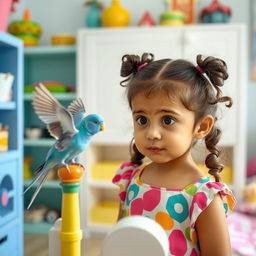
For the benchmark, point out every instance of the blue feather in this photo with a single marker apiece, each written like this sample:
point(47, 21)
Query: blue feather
point(71, 127)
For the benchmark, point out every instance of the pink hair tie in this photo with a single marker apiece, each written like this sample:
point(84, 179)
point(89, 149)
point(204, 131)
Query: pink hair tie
point(142, 66)
point(199, 69)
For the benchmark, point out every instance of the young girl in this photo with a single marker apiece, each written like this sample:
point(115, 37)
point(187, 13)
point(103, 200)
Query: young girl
point(173, 105)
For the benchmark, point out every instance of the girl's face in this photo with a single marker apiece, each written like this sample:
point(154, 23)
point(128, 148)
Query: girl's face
point(163, 127)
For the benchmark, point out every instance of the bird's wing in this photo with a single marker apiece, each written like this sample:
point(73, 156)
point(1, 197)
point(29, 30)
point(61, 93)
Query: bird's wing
point(77, 109)
point(58, 119)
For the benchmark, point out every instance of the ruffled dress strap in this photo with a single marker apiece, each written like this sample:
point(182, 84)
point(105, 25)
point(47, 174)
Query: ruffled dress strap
point(205, 193)
point(123, 178)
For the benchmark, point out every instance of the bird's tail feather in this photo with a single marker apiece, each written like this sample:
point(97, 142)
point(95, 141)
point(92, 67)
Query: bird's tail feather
point(44, 177)
point(38, 173)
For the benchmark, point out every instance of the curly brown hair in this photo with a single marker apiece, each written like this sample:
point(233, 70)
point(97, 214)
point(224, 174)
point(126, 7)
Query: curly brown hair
point(200, 95)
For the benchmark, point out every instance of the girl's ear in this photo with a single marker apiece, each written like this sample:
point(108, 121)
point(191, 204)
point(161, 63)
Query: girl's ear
point(204, 126)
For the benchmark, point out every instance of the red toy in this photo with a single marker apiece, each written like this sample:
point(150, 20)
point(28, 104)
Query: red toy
point(215, 13)
point(146, 20)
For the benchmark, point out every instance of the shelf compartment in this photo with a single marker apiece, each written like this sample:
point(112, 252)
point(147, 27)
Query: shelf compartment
point(104, 212)
point(104, 170)
point(226, 174)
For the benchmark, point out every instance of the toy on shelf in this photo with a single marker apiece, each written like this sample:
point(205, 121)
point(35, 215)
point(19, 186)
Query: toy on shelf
point(37, 214)
point(63, 39)
point(41, 213)
point(172, 17)
point(71, 127)
point(6, 7)
point(27, 167)
point(52, 86)
point(6, 81)
point(3, 138)
point(27, 30)
point(146, 20)
point(215, 13)
point(187, 7)
point(93, 16)
point(33, 132)
point(115, 15)
point(250, 193)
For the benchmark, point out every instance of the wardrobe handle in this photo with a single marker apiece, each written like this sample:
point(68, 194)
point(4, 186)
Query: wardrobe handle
point(3, 240)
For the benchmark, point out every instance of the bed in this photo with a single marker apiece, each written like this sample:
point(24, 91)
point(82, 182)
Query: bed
point(242, 229)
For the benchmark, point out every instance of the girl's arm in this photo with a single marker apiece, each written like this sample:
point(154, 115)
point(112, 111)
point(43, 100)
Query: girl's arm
point(120, 213)
point(212, 230)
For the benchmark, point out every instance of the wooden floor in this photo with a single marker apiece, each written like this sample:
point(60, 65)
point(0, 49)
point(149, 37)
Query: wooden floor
point(36, 244)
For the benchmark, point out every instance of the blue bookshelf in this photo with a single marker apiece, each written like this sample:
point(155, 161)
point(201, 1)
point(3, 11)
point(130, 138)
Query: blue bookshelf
point(11, 161)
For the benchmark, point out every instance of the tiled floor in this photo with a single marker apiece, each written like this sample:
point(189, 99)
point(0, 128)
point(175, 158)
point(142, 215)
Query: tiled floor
point(38, 245)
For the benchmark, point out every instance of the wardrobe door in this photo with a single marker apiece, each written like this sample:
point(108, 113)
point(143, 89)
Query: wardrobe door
point(99, 63)
point(223, 44)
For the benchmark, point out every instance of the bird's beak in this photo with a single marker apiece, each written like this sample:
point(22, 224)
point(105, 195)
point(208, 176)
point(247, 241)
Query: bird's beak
point(102, 126)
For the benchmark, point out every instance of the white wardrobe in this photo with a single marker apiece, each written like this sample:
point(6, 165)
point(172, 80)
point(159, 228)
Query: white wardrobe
point(98, 64)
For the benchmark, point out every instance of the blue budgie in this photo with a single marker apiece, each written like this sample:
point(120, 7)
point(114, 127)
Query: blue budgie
point(71, 127)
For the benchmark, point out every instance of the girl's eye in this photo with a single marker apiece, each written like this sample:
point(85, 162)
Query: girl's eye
point(168, 120)
point(142, 120)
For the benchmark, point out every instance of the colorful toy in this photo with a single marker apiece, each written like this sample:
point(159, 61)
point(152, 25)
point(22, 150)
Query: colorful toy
point(115, 15)
point(70, 234)
point(250, 193)
point(172, 17)
point(27, 169)
point(215, 13)
point(4, 132)
point(6, 82)
point(187, 7)
point(146, 20)
point(93, 17)
point(6, 7)
point(36, 215)
point(63, 39)
point(27, 30)
point(71, 127)
point(52, 86)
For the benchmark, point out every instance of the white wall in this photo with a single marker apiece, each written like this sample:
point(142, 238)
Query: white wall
point(66, 16)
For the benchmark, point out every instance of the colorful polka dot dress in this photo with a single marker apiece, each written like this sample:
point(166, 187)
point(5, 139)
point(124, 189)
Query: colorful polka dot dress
point(176, 210)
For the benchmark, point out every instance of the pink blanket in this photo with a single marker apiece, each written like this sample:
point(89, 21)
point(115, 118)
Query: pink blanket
point(242, 229)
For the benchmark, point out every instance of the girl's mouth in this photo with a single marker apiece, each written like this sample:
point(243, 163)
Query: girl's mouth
point(155, 149)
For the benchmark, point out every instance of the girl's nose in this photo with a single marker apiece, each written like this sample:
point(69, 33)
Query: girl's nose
point(153, 133)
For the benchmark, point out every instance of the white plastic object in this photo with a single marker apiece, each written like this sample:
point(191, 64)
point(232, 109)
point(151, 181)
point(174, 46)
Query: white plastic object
point(136, 236)
point(6, 81)
point(54, 238)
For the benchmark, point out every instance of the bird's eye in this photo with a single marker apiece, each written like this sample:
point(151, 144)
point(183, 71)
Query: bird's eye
point(96, 122)
point(168, 120)
point(142, 120)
